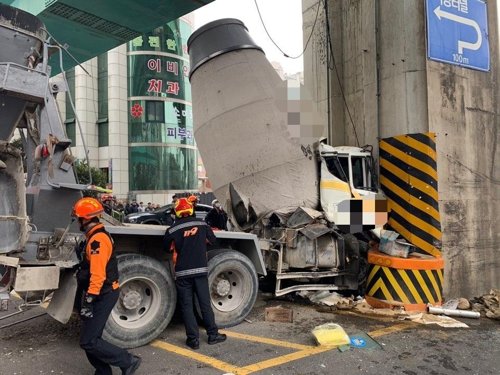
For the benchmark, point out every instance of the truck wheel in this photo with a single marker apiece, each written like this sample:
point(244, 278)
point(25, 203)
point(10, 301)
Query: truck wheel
point(146, 304)
point(233, 284)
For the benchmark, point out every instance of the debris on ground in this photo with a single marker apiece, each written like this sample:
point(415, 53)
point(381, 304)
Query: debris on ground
point(279, 314)
point(390, 245)
point(361, 340)
point(453, 312)
point(328, 298)
point(364, 308)
point(440, 320)
point(330, 334)
point(488, 305)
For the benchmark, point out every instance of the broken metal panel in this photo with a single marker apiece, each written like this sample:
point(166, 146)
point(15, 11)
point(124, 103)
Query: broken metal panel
point(316, 248)
point(303, 216)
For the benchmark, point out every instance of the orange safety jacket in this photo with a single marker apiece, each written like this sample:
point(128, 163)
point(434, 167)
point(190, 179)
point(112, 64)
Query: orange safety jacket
point(98, 267)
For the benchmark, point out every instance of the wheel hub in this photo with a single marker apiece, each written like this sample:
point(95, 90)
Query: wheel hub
point(222, 287)
point(131, 299)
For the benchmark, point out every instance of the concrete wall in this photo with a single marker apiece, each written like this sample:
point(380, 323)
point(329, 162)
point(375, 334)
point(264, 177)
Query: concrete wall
point(464, 112)
point(390, 88)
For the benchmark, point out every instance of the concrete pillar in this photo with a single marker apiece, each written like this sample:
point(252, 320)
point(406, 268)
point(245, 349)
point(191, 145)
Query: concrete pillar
point(390, 87)
point(117, 157)
point(86, 110)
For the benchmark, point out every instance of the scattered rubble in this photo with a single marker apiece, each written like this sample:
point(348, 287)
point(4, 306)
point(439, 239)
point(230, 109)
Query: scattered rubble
point(359, 305)
point(279, 314)
point(440, 320)
point(325, 297)
point(488, 305)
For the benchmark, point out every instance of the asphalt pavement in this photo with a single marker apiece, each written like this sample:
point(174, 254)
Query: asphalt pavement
point(43, 346)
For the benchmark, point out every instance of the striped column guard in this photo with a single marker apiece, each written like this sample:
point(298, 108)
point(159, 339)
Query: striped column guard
point(408, 177)
point(411, 282)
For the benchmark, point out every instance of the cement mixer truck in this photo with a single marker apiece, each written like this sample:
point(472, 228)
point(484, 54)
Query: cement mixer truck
point(272, 185)
point(37, 237)
point(309, 203)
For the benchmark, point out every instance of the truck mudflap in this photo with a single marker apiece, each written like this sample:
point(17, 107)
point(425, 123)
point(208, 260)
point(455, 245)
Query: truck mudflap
point(63, 299)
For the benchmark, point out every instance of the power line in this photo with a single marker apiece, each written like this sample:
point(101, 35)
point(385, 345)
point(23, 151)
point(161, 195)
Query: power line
point(272, 40)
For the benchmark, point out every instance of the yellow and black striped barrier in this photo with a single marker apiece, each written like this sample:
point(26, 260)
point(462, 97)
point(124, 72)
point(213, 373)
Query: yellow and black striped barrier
point(408, 177)
point(409, 282)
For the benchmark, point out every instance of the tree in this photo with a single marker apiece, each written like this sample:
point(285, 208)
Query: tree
point(98, 177)
point(18, 143)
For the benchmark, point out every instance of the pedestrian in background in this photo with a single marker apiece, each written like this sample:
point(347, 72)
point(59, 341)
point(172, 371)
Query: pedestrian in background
point(141, 207)
point(188, 238)
point(217, 217)
point(98, 291)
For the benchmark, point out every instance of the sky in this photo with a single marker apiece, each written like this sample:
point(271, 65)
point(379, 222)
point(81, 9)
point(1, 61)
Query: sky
point(282, 18)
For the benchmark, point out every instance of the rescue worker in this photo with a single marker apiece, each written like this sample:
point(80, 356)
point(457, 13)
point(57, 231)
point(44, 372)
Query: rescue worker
point(217, 217)
point(188, 238)
point(99, 291)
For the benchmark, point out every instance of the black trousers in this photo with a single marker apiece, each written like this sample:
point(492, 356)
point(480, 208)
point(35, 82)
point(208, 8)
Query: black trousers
point(187, 288)
point(100, 353)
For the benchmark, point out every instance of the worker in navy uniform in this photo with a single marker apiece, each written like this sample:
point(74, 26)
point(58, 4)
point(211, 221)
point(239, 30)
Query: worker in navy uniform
point(99, 290)
point(188, 238)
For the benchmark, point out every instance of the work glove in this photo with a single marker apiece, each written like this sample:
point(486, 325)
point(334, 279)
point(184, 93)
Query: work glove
point(80, 249)
point(87, 309)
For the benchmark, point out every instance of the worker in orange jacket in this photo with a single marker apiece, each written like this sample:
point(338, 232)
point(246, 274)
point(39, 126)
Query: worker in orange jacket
point(99, 291)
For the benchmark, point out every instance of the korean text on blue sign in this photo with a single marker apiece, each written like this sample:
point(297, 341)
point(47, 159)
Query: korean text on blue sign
point(457, 33)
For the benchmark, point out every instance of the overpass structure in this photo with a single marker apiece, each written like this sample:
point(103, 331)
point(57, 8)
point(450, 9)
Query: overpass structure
point(92, 27)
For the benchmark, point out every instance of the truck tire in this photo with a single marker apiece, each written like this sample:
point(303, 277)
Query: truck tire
point(146, 304)
point(233, 284)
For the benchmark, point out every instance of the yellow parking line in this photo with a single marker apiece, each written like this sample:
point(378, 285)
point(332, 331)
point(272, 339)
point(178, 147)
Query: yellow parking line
point(215, 363)
point(265, 340)
point(388, 330)
point(273, 362)
point(303, 352)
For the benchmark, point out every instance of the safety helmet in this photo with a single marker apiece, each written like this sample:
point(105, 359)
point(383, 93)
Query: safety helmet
point(183, 207)
point(192, 199)
point(214, 202)
point(87, 208)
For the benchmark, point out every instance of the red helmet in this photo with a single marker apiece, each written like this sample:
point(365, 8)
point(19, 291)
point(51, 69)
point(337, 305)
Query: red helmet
point(87, 208)
point(183, 207)
point(192, 199)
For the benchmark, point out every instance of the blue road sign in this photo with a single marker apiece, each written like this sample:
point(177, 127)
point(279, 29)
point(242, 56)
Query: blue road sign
point(457, 33)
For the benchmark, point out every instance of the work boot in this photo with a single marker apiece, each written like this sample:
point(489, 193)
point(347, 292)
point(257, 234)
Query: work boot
point(134, 365)
point(215, 339)
point(193, 343)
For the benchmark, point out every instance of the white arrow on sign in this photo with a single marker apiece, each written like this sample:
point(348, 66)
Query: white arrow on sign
point(466, 21)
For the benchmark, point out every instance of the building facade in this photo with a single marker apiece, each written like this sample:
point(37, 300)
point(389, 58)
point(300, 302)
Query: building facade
point(133, 115)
